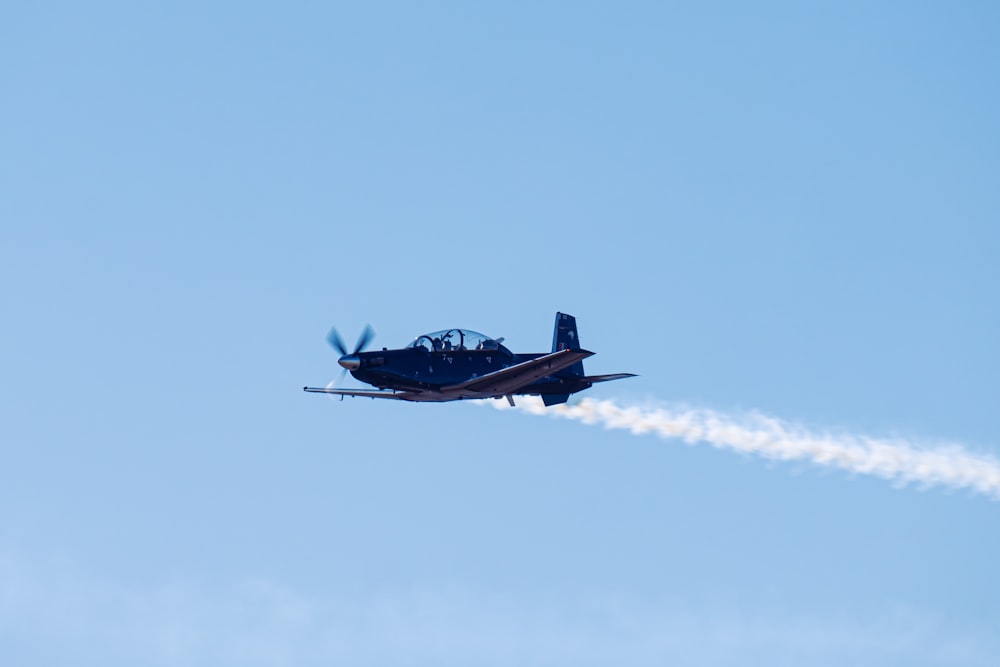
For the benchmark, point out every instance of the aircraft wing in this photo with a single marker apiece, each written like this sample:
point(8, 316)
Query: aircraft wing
point(366, 393)
point(509, 380)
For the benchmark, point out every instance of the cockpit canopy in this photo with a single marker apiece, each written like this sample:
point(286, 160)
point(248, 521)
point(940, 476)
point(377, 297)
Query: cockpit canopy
point(448, 340)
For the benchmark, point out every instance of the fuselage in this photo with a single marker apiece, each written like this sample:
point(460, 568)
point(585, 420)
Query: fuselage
point(420, 369)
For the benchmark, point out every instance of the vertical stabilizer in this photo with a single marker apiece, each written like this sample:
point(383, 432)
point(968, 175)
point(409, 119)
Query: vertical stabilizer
point(564, 337)
point(554, 399)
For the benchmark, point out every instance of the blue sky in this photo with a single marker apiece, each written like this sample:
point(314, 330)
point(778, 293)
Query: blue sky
point(781, 208)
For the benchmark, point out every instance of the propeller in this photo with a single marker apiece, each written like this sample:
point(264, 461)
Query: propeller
point(365, 338)
point(333, 338)
point(349, 361)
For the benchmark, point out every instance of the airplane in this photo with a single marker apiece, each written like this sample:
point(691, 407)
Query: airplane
point(460, 364)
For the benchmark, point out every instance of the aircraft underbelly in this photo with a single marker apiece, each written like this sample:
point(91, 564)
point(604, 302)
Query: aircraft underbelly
point(433, 371)
point(555, 385)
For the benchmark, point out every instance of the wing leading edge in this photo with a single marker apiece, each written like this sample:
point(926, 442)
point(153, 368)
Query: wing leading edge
point(366, 393)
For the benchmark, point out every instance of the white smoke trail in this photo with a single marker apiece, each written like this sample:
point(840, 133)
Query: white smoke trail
point(896, 460)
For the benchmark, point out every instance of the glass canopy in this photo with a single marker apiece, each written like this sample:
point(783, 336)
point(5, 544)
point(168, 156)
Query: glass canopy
point(448, 340)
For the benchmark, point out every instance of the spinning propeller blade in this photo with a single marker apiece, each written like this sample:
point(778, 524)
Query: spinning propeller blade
point(366, 337)
point(333, 338)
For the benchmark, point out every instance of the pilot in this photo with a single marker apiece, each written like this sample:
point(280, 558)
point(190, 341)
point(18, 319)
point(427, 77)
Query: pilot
point(437, 344)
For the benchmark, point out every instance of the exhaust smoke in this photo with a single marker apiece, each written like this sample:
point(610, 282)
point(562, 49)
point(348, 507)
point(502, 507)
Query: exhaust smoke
point(896, 460)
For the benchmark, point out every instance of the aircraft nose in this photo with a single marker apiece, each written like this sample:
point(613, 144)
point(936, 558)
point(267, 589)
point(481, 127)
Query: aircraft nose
point(350, 361)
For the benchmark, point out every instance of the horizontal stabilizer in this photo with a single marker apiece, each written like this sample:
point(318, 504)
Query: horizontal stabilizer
point(607, 378)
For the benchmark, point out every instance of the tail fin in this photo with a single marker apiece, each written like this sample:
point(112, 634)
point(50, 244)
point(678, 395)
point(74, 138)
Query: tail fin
point(554, 399)
point(564, 337)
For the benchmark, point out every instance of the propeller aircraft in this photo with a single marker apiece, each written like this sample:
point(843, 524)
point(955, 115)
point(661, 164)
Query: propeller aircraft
point(457, 364)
